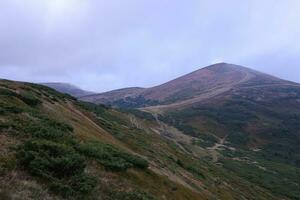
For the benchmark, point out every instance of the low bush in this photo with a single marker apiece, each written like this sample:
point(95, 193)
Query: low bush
point(111, 157)
point(132, 195)
point(26, 97)
point(29, 99)
point(7, 108)
point(46, 128)
point(49, 159)
point(7, 92)
point(57, 163)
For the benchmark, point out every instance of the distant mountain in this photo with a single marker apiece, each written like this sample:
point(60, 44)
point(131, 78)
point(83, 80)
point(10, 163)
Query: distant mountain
point(68, 89)
point(197, 86)
point(112, 96)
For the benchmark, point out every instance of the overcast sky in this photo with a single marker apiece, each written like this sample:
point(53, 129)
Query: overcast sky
point(101, 45)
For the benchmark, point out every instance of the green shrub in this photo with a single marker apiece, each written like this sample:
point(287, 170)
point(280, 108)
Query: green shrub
point(59, 164)
point(78, 185)
point(83, 184)
point(9, 108)
point(26, 97)
point(49, 159)
point(29, 99)
point(7, 92)
point(111, 157)
point(60, 187)
point(132, 195)
point(45, 128)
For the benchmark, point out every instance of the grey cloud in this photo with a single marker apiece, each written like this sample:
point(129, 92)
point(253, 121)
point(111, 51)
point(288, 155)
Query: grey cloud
point(102, 45)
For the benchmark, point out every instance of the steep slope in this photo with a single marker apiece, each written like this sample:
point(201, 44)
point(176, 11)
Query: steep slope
point(68, 89)
point(54, 147)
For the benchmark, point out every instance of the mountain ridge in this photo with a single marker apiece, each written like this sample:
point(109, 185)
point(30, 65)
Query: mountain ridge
point(216, 78)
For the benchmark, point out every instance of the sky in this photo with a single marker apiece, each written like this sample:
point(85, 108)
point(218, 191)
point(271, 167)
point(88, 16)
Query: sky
point(102, 45)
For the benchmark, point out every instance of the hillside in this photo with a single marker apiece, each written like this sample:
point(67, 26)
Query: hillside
point(68, 89)
point(246, 121)
point(54, 147)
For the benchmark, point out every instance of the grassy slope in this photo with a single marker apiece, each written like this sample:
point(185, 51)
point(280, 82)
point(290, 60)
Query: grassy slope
point(173, 173)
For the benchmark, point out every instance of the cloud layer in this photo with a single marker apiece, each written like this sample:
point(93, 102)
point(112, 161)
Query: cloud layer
point(102, 45)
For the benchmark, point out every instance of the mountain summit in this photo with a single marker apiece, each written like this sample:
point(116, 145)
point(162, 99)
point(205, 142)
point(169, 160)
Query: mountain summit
point(194, 87)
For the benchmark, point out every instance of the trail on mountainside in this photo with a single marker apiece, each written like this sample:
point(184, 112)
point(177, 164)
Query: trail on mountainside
point(209, 94)
point(213, 149)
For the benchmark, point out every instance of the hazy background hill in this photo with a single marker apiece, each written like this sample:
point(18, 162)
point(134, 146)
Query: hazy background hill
point(69, 89)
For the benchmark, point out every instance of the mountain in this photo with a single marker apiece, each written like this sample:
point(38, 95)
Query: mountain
point(68, 89)
point(191, 88)
point(234, 135)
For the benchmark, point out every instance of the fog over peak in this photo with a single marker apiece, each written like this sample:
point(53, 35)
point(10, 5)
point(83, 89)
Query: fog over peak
point(101, 45)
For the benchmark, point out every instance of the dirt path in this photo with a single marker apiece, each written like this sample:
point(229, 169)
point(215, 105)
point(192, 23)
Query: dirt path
point(207, 95)
point(213, 150)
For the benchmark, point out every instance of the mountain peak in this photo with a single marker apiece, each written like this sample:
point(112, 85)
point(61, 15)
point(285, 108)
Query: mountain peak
point(195, 87)
point(224, 67)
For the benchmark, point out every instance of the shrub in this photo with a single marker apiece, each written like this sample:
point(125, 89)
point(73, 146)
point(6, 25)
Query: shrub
point(83, 184)
point(59, 164)
point(45, 128)
point(78, 185)
point(7, 92)
point(111, 157)
point(26, 97)
point(29, 99)
point(9, 108)
point(132, 195)
point(49, 159)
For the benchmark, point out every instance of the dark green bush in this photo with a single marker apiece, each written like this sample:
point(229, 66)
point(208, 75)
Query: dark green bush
point(45, 128)
point(29, 99)
point(26, 97)
point(49, 159)
point(8, 108)
point(7, 92)
point(83, 184)
point(132, 195)
point(111, 157)
point(59, 164)
point(60, 187)
point(78, 185)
